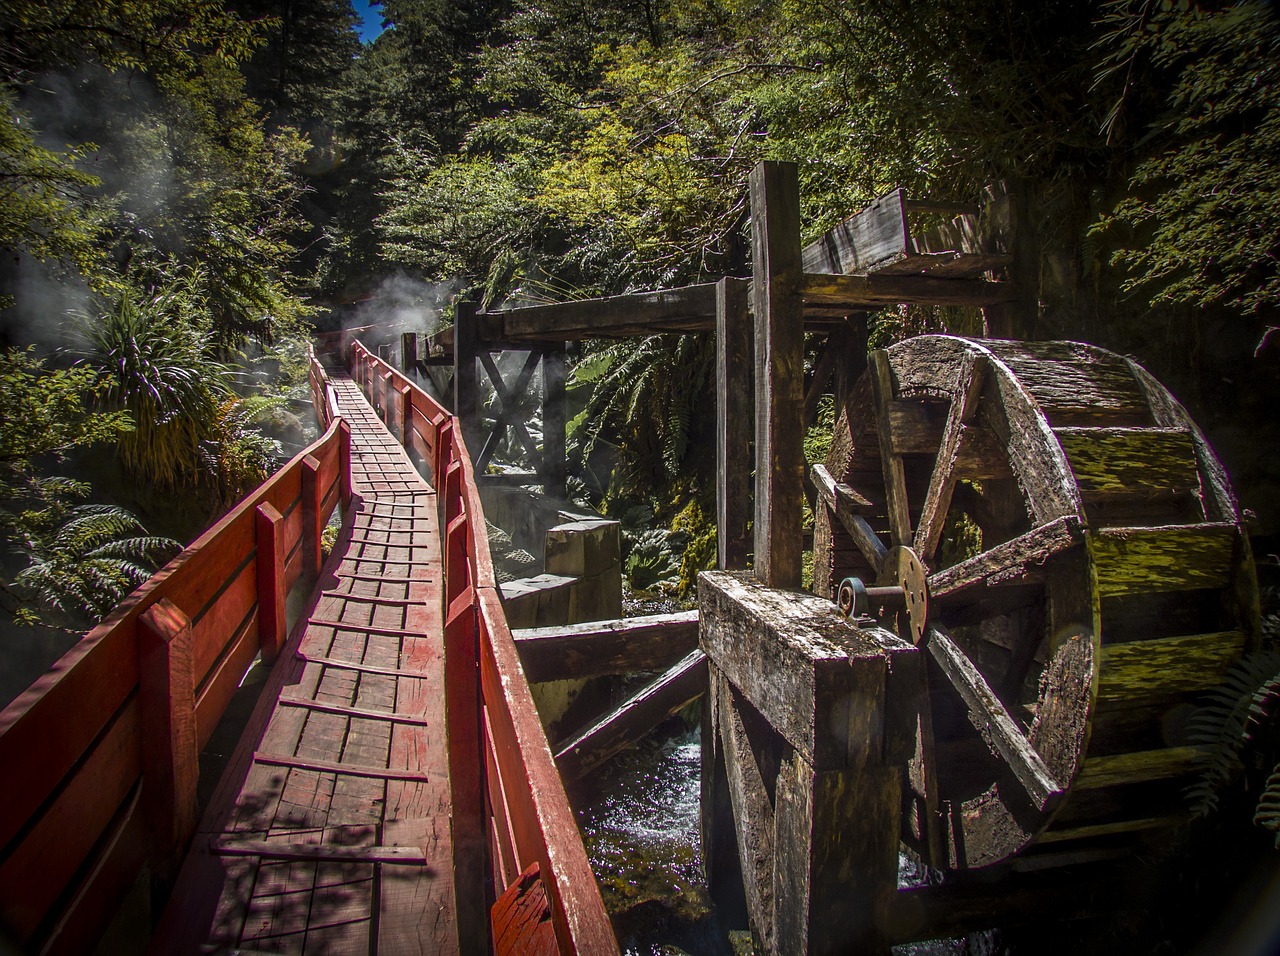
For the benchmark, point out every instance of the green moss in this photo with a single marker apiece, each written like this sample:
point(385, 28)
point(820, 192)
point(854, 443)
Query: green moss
point(700, 551)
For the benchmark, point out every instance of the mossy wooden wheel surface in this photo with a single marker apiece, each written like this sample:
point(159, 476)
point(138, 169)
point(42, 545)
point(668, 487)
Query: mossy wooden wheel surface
point(1087, 576)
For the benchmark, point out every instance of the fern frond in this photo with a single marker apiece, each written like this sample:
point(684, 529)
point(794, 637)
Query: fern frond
point(1267, 814)
point(1228, 722)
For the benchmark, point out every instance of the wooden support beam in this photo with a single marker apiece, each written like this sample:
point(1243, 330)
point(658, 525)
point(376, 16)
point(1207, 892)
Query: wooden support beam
point(989, 716)
point(554, 422)
point(644, 710)
point(815, 717)
point(779, 350)
point(687, 309)
point(846, 504)
point(271, 558)
point(344, 463)
point(408, 352)
point(836, 293)
point(466, 380)
point(735, 390)
point(170, 750)
point(598, 648)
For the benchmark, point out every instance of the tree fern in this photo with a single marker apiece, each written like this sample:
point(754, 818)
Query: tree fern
point(83, 566)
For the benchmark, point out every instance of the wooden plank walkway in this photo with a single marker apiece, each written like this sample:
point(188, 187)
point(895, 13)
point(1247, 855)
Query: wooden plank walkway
point(330, 830)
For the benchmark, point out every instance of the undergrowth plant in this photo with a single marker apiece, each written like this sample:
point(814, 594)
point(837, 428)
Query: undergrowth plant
point(1239, 729)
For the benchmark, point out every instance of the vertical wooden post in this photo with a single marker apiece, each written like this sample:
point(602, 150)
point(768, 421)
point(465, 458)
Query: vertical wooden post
point(553, 421)
point(735, 386)
point(406, 417)
point(466, 381)
point(408, 352)
point(312, 526)
point(170, 751)
point(816, 721)
point(344, 463)
point(779, 349)
point(384, 352)
point(272, 555)
point(385, 403)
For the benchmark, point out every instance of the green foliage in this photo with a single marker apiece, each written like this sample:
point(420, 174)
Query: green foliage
point(153, 360)
point(239, 456)
point(46, 205)
point(1200, 225)
point(84, 560)
point(47, 412)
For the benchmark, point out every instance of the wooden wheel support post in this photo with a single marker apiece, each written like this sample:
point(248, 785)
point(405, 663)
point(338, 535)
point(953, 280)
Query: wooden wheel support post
point(812, 720)
point(779, 387)
point(735, 378)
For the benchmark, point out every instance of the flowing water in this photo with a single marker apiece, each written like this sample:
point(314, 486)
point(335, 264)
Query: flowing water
point(639, 819)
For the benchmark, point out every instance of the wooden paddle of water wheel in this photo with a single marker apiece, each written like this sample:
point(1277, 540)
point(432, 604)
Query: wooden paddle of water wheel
point(1072, 559)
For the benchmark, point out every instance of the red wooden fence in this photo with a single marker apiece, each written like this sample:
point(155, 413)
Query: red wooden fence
point(98, 756)
point(508, 795)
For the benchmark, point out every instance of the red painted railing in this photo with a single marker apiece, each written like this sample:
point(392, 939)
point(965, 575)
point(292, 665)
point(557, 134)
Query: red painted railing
point(508, 795)
point(98, 757)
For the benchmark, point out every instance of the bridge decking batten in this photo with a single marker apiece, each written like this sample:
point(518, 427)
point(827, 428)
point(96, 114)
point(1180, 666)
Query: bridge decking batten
point(364, 854)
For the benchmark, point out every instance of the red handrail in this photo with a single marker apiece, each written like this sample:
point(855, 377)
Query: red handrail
point(507, 790)
point(99, 754)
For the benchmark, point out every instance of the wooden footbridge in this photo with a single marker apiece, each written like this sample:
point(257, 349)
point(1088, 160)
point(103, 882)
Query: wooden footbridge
point(1028, 566)
point(393, 792)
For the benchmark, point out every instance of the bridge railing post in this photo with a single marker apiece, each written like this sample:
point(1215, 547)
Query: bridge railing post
point(405, 396)
point(312, 526)
point(170, 749)
point(344, 463)
point(271, 560)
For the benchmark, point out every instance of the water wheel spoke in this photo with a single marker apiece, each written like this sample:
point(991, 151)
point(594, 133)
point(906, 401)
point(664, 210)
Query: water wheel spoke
point(1012, 562)
point(990, 718)
point(933, 514)
point(895, 476)
point(846, 503)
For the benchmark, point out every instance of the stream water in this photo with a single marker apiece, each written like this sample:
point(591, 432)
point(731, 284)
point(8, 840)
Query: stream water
point(639, 819)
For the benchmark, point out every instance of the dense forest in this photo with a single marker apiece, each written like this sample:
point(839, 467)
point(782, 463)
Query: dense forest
point(189, 189)
point(189, 185)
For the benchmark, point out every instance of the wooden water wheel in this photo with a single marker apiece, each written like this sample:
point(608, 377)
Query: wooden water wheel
point(1080, 576)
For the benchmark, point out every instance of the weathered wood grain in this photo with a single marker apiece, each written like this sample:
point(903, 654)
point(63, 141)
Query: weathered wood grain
point(779, 386)
point(598, 648)
point(735, 391)
point(680, 685)
point(1173, 558)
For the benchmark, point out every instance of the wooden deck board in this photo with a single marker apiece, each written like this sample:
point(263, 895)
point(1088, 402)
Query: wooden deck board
point(377, 605)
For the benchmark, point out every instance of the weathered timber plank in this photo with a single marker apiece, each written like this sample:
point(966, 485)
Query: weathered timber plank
point(606, 647)
point(319, 852)
point(1171, 665)
point(1075, 379)
point(1008, 562)
point(735, 390)
point(639, 313)
point(1131, 461)
point(846, 503)
point(1219, 501)
point(895, 481)
point(788, 653)
point(1123, 769)
point(855, 293)
point(866, 241)
point(1170, 558)
point(992, 720)
point(779, 386)
point(684, 682)
point(971, 378)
